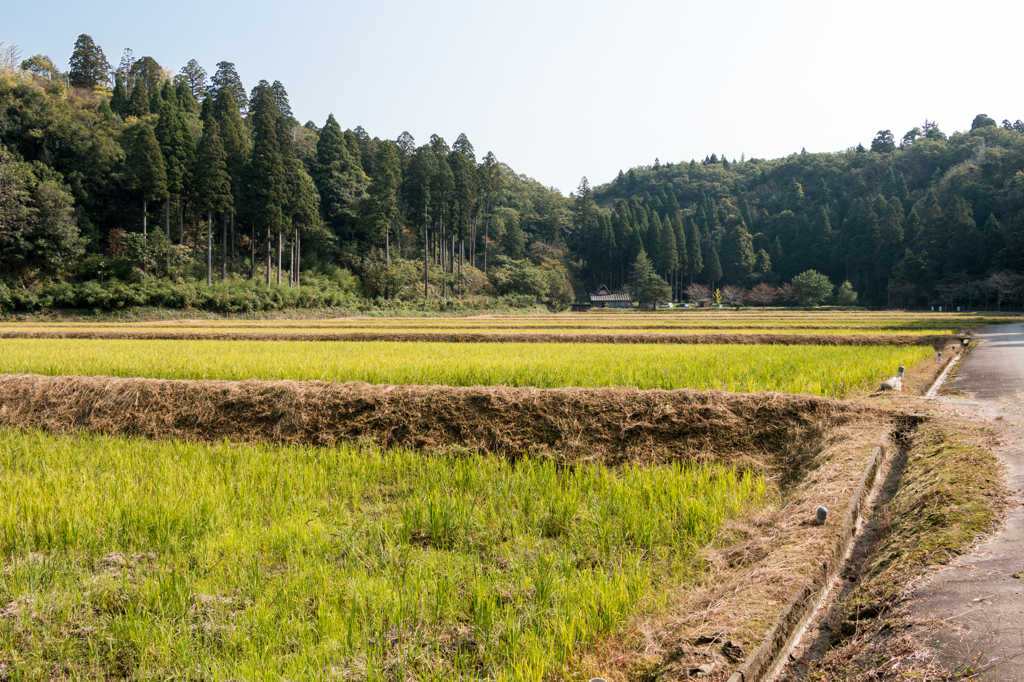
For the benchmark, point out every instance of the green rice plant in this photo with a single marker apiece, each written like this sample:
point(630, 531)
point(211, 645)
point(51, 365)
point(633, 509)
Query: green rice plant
point(133, 558)
point(816, 370)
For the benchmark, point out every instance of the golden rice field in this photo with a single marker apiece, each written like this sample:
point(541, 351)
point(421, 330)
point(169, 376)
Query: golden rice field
point(666, 321)
point(817, 370)
point(134, 559)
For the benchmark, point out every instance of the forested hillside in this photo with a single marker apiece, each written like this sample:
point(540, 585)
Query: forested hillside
point(931, 219)
point(139, 185)
point(143, 180)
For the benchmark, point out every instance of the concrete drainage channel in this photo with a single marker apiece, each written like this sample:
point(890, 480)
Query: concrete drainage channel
point(767, 661)
point(944, 375)
point(770, 659)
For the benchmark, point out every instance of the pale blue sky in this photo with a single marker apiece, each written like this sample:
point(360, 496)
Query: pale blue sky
point(559, 90)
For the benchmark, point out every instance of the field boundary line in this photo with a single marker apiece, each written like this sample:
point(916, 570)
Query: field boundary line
point(763, 664)
point(935, 340)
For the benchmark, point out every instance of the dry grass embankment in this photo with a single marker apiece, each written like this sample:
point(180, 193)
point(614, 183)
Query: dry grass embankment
point(612, 425)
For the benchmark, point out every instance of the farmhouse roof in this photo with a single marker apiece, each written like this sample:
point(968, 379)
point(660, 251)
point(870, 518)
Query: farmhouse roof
point(603, 295)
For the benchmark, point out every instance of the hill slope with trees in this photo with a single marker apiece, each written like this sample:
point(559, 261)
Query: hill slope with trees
point(137, 185)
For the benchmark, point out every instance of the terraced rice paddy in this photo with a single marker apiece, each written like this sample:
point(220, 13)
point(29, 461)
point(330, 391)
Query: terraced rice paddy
point(815, 370)
point(124, 558)
point(171, 560)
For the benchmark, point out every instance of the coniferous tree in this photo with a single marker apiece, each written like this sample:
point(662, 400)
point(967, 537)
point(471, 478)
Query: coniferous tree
point(694, 253)
point(237, 146)
point(266, 174)
point(212, 184)
point(644, 282)
point(119, 98)
point(138, 103)
point(145, 166)
point(206, 111)
point(712, 265)
point(195, 79)
point(669, 251)
point(912, 228)
point(463, 198)
point(889, 240)
point(379, 209)
point(89, 66)
point(186, 100)
point(993, 240)
point(167, 93)
point(652, 240)
point(737, 252)
point(280, 96)
point(958, 231)
point(178, 150)
point(226, 78)
point(151, 72)
point(513, 242)
point(339, 180)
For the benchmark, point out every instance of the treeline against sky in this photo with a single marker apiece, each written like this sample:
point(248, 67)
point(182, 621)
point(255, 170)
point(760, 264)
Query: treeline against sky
point(932, 218)
point(138, 174)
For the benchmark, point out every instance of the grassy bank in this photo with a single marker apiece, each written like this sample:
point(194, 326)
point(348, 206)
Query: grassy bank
point(949, 495)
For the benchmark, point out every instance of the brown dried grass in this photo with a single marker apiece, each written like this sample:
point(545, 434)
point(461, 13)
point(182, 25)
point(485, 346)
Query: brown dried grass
point(570, 424)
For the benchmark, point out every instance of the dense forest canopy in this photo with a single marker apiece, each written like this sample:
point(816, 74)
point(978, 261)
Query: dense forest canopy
point(136, 174)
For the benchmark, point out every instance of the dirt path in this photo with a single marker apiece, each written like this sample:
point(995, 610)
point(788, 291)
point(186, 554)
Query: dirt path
point(978, 602)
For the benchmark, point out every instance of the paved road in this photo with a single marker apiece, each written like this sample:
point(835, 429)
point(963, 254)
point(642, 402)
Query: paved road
point(979, 595)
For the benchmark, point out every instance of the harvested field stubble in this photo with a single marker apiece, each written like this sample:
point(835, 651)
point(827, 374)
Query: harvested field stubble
point(816, 370)
point(573, 424)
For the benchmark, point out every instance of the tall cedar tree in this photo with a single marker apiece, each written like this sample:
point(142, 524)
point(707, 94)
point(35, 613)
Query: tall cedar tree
point(145, 165)
point(195, 79)
point(464, 192)
point(212, 184)
point(151, 72)
point(138, 103)
point(669, 252)
point(226, 78)
point(712, 266)
point(644, 282)
point(186, 100)
point(178, 149)
point(89, 66)
point(266, 174)
point(380, 207)
point(339, 180)
point(236, 141)
point(280, 96)
point(119, 98)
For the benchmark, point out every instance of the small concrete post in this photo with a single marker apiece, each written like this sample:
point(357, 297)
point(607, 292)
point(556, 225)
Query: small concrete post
point(821, 516)
point(938, 358)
